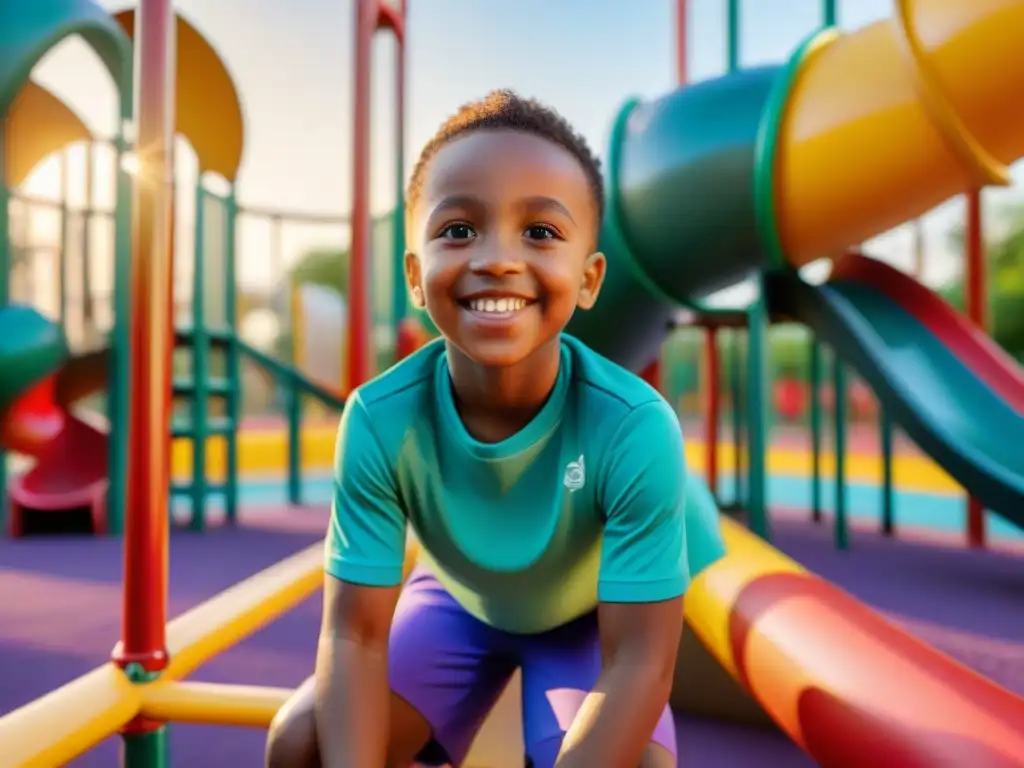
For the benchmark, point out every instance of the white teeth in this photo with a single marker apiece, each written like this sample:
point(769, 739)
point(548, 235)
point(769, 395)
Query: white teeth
point(497, 306)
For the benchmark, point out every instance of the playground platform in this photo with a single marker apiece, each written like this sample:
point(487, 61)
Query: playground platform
point(67, 617)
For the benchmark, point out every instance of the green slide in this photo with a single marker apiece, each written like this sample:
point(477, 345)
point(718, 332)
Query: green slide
point(692, 208)
point(945, 383)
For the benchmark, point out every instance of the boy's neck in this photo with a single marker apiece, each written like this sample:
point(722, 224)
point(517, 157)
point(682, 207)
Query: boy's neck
point(495, 403)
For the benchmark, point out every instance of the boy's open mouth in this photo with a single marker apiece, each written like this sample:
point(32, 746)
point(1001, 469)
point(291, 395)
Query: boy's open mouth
point(496, 307)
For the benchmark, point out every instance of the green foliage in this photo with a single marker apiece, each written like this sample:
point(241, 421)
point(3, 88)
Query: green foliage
point(1004, 258)
point(323, 266)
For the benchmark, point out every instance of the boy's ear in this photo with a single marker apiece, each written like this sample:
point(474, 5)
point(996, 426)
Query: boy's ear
point(592, 280)
point(414, 279)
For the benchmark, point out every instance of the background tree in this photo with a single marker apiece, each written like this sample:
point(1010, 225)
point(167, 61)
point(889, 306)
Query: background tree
point(1004, 258)
point(323, 266)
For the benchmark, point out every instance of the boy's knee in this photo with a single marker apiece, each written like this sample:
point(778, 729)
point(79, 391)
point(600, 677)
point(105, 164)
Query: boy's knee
point(291, 741)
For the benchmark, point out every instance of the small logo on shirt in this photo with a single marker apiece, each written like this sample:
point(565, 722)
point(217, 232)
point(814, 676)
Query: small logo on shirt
point(575, 475)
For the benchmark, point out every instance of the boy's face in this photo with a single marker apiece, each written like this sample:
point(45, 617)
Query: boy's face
point(504, 240)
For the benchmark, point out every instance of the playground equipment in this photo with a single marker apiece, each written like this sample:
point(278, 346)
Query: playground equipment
point(209, 353)
point(779, 142)
point(762, 160)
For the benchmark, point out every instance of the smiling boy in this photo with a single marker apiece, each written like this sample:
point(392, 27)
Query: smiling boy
point(545, 485)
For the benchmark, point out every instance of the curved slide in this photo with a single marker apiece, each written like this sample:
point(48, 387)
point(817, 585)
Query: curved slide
point(754, 175)
point(38, 384)
point(953, 390)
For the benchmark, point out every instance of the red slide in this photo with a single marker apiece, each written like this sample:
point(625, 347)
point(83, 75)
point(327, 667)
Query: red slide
point(66, 489)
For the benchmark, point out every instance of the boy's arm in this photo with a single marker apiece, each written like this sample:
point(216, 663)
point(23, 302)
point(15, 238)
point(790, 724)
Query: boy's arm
point(363, 555)
point(352, 692)
point(643, 578)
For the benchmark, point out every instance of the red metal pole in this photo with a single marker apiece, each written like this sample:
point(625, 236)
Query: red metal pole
point(652, 375)
point(393, 17)
point(682, 16)
point(359, 320)
point(146, 521)
point(713, 405)
point(975, 304)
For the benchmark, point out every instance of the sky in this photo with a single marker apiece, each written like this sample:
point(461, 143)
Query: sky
point(292, 64)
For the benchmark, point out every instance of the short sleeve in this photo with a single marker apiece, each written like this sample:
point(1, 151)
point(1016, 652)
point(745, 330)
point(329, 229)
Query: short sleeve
point(642, 496)
point(366, 539)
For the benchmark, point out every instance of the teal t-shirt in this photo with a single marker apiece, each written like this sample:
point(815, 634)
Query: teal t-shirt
point(586, 503)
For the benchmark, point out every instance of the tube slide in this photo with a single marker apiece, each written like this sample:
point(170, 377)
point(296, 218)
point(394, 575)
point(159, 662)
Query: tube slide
point(948, 385)
point(38, 383)
point(760, 172)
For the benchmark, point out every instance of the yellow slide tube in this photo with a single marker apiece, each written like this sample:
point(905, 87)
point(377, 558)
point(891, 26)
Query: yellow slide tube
point(886, 123)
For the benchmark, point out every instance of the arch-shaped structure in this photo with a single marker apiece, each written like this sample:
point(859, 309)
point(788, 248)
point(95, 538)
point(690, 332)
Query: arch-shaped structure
point(208, 111)
point(38, 124)
point(31, 30)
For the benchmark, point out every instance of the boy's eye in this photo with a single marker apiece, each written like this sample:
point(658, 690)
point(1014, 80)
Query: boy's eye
point(458, 232)
point(540, 232)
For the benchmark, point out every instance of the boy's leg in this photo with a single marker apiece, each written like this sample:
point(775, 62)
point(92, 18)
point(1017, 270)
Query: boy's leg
point(445, 676)
point(560, 668)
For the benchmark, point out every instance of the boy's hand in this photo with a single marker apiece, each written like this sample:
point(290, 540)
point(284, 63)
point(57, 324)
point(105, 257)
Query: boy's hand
point(639, 643)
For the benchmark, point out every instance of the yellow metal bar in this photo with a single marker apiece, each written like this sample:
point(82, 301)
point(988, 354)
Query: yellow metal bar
point(212, 703)
point(237, 612)
point(63, 724)
point(229, 617)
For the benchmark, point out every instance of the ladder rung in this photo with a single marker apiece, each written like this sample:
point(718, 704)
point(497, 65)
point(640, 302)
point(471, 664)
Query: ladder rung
point(217, 336)
point(181, 427)
point(216, 387)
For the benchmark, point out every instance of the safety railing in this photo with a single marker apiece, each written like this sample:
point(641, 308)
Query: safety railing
point(69, 721)
point(296, 385)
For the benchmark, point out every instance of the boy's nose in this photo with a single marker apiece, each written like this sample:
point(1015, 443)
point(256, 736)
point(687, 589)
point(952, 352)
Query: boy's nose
point(497, 263)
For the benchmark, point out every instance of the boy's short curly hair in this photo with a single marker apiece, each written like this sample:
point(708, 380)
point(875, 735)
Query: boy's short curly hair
point(506, 110)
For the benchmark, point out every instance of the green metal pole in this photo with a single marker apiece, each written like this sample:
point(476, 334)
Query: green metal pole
point(233, 362)
point(888, 496)
point(758, 418)
point(815, 403)
point(736, 395)
point(842, 534)
point(399, 298)
point(757, 353)
point(830, 12)
point(293, 415)
point(200, 364)
point(294, 443)
point(145, 749)
point(117, 400)
point(5, 288)
point(144, 745)
point(732, 42)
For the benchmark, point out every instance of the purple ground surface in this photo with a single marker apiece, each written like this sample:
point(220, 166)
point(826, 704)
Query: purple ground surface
point(61, 609)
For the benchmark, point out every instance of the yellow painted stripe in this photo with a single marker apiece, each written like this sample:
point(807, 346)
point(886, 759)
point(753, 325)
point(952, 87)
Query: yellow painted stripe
point(262, 452)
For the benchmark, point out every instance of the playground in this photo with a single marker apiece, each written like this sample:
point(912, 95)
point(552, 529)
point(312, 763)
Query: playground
point(867, 609)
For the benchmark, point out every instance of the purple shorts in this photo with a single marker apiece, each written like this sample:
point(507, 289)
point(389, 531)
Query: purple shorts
point(452, 668)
